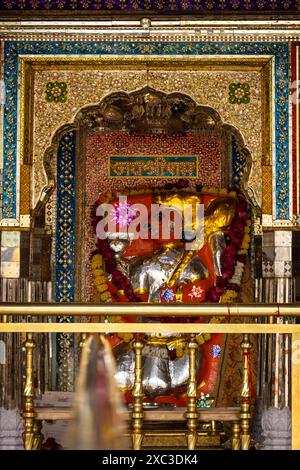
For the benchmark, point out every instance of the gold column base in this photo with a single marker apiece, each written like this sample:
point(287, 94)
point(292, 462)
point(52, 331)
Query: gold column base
point(38, 436)
point(245, 442)
point(245, 426)
point(29, 433)
point(137, 440)
point(236, 441)
point(191, 440)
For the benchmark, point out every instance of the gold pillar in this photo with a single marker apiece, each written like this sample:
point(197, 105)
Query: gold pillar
point(191, 413)
point(138, 395)
point(28, 394)
point(245, 416)
point(236, 441)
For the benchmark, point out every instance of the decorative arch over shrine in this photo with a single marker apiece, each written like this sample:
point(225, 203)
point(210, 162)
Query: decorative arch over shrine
point(143, 112)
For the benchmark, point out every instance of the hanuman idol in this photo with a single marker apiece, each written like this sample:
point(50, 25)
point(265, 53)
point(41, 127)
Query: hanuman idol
point(174, 268)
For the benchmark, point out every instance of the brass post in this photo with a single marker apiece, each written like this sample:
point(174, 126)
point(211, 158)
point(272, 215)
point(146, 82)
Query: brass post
point(192, 413)
point(245, 415)
point(38, 436)
point(138, 395)
point(236, 441)
point(28, 394)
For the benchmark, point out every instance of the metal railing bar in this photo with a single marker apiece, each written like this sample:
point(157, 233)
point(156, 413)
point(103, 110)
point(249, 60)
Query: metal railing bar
point(145, 309)
point(157, 328)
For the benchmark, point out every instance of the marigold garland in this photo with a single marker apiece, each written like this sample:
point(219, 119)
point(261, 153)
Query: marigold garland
point(100, 278)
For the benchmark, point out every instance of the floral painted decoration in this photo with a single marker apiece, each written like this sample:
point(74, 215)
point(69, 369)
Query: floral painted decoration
point(123, 214)
point(197, 293)
point(204, 401)
point(56, 92)
point(168, 295)
point(215, 351)
point(71, 6)
point(239, 93)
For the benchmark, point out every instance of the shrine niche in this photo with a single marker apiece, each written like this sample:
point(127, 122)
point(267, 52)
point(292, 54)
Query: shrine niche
point(139, 140)
point(184, 141)
point(149, 143)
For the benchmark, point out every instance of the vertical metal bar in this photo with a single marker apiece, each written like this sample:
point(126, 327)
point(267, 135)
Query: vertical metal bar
point(270, 359)
point(192, 413)
point(245, 394)
point(28, 394)
point(286, 369)
point(276, 375)
point(138, 395)
point(295, 391)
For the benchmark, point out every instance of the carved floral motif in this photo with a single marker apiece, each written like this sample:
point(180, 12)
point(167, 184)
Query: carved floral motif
point(239, 93)
point(56, 92)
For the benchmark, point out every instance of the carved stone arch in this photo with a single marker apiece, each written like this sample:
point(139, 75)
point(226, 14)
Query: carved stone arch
point(146, 111)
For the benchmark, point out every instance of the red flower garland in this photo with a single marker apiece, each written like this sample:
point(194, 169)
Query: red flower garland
point(235, 235)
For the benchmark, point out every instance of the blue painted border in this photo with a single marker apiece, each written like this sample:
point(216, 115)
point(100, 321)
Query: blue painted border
point(238, 163)
point(280, 50)
point(65, 261)
point(65, 219)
